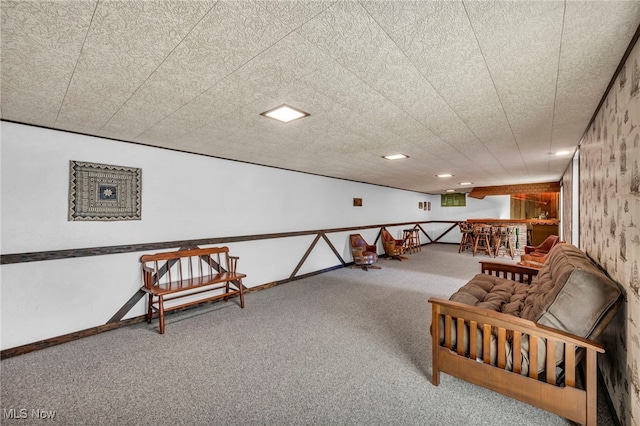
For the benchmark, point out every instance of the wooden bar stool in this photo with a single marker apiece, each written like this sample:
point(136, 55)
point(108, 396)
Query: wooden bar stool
point(503, 239)
point(482, 239)
point(410, 240)
point(416, 239)
point(466, 240)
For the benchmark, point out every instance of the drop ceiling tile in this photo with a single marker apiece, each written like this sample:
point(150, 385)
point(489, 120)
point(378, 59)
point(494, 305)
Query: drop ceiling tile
point(443, 47)
point(227, 38)
point(467, 87)
point(394, 16)
point(295, 13)
point(588, 60)
point(41, 43)
point(119, 51)
point(521, 43)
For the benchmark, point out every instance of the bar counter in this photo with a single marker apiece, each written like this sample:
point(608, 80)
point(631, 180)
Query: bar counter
point(540, 229)
point(509, 221)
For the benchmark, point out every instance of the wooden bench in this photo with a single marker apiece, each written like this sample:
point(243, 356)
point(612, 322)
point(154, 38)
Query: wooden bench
point(186, 274)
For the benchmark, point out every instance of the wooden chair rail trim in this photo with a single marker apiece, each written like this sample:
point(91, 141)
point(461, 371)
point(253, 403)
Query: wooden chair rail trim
point(39, 256)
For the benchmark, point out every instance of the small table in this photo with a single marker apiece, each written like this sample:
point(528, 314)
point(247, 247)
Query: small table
point(532, 265)
point(532, 261)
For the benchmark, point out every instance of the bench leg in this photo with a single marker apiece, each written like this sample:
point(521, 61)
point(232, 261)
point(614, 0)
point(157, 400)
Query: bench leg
point(241, 293)
point(226, 290)
point(149, 308)
point(161, 313)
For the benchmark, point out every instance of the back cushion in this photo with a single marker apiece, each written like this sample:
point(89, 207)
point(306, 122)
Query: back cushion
point(546, 285)
point(570, 293)
point(580, 304)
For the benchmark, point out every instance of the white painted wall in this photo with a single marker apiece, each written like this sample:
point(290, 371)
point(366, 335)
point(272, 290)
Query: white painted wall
point(184, 197)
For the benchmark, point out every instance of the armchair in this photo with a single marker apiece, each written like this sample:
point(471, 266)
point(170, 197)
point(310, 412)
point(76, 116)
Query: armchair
point(364, 255)
point(393, 248)
point(536, 256)
point(544, 247)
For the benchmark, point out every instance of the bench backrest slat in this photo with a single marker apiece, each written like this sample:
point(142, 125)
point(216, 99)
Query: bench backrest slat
point(184, 253)
point(190, 255)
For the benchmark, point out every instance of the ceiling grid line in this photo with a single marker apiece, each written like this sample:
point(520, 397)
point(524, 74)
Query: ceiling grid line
point(555, 94)
point(77, 60)
point(426, 79)
point(494, 85)
point(157, 67)
point(241, 66)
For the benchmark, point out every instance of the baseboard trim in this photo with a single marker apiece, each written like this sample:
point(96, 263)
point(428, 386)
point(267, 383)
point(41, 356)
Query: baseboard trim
point(65, 338)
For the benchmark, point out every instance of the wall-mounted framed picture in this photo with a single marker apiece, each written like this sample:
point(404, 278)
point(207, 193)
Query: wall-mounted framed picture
point(104, 192)
point(453, 200)
point(420, 205)
point(357, 202)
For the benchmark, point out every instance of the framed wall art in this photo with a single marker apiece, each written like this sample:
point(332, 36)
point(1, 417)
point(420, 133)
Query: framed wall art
point(453, 200)
point(103, 192)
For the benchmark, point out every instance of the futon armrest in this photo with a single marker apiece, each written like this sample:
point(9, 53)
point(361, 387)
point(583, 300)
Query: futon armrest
point(461, 311)
point(509, 271)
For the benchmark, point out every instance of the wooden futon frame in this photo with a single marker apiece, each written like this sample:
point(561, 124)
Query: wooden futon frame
point(186, 274)
point(561, 397)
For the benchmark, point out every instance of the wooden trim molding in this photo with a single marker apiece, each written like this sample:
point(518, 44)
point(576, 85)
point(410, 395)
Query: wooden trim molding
point(39, 256)
point(112, 325)
point(116, 320)
point(530, 188)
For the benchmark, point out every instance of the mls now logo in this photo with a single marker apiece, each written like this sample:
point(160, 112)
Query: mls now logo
point(23, 413)
point(14, 413)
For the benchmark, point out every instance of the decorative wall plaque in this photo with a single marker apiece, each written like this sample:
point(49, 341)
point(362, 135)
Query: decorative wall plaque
point(102, 192)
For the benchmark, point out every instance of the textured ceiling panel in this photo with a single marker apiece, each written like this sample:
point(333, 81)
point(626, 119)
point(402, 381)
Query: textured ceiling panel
point(114, 47)
point(521, 42)
point(594, 37)
point(41, 43)
point(480, 89)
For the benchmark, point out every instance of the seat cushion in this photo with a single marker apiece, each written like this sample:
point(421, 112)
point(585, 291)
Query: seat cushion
point(495, 293)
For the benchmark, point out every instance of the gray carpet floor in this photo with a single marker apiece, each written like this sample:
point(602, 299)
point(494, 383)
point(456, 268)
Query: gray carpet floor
point(347, 347)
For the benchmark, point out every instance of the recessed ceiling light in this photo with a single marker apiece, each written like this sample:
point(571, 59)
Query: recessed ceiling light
point(443, 175)
point(395, 156)
point(563, 152)
point(451, 190)
point(285, 113)
point(465, 183)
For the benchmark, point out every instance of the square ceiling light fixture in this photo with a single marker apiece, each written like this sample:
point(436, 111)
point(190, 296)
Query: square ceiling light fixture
point(285, 113)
